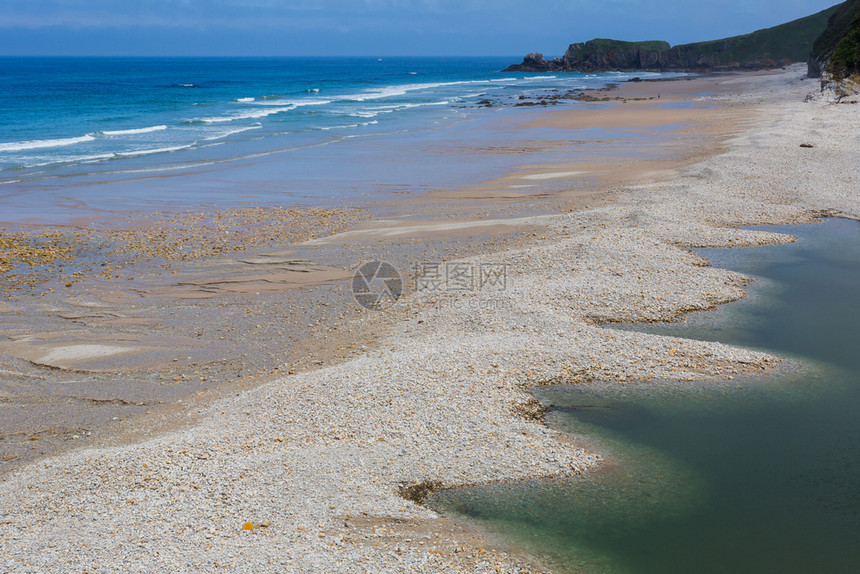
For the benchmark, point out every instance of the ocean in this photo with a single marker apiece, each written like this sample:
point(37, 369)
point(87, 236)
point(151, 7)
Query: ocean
point(67, 124)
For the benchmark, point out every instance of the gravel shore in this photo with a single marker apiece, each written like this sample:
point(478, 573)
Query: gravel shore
point(303, 474)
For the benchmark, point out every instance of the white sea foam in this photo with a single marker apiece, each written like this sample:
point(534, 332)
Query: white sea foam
point(400, 90)
point(152, 151)
point(423, 104)
point(319, 102)
point(540, 77)
point(295, 103)
point(372, 112)
point(361, 125)
point(131, 132)
point(40, 144)
point(380, 93)
point(67, 159)
point(245, 100)
point(233, 131)
point(94, 158)
point(483, 91)
point(258, 113)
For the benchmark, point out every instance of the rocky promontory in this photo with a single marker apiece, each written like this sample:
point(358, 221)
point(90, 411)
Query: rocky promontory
point(769, 48)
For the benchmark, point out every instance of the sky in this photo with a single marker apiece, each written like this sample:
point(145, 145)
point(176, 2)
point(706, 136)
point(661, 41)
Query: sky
point(370, 27)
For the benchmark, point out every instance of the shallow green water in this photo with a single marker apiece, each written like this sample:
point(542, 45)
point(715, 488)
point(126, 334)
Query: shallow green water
point(752, 475)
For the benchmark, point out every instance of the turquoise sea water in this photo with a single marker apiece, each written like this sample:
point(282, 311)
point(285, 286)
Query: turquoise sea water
point(69, 123)
point(758, 474)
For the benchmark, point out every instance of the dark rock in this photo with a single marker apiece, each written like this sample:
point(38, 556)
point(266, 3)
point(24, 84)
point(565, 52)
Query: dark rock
point(534, 62)
point(418, 492)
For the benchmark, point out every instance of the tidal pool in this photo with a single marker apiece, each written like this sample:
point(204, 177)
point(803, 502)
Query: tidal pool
point(759, 474)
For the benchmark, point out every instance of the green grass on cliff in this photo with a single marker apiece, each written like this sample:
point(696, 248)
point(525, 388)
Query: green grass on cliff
point(846, 34)
point(836, 29)
point(846, 58)
point(651, 46)
point(792, 41)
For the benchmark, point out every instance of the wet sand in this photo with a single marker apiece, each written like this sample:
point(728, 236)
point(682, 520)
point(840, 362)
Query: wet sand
point(172, 343)
point(132, 315)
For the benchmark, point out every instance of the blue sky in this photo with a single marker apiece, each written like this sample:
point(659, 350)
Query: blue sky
point(370, 27)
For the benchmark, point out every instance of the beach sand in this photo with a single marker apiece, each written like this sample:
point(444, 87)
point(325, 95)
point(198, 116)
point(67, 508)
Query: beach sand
point(210, 300)
point(306, 471)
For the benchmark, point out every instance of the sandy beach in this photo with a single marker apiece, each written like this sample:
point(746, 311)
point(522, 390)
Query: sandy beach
point(316, 461)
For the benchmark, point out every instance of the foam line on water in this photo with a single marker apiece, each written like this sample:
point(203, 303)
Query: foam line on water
point(259, 113)
point(234, 131)
point(296, 103)
point(131, 131)
point(136, 153)
point(40, 144)
point(361, 125)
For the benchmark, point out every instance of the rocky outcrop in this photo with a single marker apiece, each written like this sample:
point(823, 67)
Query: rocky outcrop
point(769, 48)
point(534, 62)
point(597, 55)
point(600, 54)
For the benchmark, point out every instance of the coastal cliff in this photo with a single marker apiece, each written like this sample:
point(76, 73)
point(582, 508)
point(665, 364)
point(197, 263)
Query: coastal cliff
point(601, 54)
point(835, 56)
point(769, 48)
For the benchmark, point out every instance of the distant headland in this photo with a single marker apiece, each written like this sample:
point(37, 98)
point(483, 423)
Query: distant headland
point(769, 48)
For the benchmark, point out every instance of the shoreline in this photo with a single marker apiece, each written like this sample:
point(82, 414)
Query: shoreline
point(601, 264)
point(128, 321)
